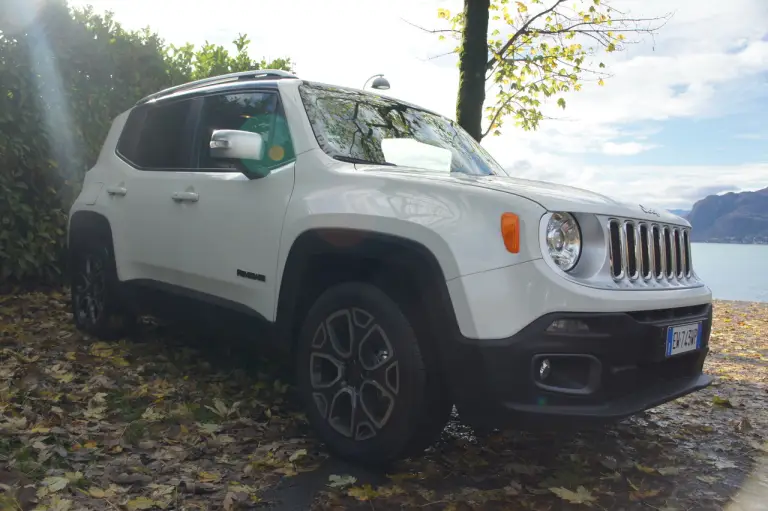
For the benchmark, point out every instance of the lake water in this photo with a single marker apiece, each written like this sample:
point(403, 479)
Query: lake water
point(733, 272)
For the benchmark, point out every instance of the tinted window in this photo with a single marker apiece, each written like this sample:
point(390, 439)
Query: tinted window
point(255, 112)
point(155, 136)
point(354, 124)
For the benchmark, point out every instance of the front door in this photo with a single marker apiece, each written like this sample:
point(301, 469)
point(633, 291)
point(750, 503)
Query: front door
point(230, 236)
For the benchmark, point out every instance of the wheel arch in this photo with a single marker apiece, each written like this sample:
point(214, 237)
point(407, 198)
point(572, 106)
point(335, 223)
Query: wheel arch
point(320, 256)
point(84, 225)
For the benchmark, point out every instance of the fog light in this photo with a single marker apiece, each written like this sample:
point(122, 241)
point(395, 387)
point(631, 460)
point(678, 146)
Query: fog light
point(544, 369)
point(568, 326)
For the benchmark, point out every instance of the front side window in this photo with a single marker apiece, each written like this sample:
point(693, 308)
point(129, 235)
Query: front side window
point(252, 112)
point(155, 136)
point(356, 126)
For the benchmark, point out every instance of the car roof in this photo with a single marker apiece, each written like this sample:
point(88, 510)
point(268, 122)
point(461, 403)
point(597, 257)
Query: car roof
point(265, 78)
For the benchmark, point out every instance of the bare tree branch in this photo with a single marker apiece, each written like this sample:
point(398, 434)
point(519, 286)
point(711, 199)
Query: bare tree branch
point(495, 118)
point(429, 30)
point(442, 55)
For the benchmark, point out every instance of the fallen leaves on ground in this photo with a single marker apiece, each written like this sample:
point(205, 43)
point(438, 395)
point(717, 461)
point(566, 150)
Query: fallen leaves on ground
point(166, 420)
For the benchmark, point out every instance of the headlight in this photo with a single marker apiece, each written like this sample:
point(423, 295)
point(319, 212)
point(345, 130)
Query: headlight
point(564, 240)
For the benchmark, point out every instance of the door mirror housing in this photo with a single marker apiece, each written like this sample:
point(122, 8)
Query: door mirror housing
point(237, 145)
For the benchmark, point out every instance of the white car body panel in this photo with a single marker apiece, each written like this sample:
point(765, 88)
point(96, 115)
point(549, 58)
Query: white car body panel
point(235, 225)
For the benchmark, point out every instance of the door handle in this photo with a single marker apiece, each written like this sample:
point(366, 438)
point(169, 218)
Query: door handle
point(117, 190)
point(185, 196)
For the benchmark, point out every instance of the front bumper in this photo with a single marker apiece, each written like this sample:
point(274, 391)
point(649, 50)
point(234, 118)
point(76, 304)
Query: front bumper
point(614, 369)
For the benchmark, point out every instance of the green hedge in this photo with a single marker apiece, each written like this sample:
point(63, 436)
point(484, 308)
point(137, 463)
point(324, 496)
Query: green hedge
point(64, 76)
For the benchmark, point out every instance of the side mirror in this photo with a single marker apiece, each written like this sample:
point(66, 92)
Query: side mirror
point(236, 144)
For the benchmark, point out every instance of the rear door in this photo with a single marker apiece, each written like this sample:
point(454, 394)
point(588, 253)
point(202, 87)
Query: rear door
point(231, 235)
point(157, 152)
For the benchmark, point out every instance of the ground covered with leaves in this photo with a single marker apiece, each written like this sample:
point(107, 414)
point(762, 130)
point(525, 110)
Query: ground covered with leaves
point(174, 419)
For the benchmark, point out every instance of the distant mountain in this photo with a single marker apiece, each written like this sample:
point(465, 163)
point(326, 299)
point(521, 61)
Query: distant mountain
point(679, 212)
point(731, 218)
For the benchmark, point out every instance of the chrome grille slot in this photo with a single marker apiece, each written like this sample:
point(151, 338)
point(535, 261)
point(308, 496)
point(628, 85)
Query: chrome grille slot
point(679, 254)
point(646, 262)
point(630, 235)
point(669, 260)
point(658, 253)
point(648, 254)
point(617, 268)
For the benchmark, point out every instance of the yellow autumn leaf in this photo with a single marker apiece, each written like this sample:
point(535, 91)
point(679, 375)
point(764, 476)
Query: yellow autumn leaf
point(365, 492)
point(96, 492)
point(643, 468)
point(580, 496)
point(208, 477)
point(300, 453)
point(101, 349)
point(139, 503)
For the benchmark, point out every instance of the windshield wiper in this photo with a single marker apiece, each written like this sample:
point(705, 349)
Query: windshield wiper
point(352, 159)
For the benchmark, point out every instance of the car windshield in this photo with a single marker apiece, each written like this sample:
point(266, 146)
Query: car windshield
point(365, 128)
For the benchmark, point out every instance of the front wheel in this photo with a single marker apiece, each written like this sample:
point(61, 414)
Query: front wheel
point(363, 379)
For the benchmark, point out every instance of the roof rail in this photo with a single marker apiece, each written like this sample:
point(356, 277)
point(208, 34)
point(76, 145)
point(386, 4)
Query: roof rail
point(256, 74)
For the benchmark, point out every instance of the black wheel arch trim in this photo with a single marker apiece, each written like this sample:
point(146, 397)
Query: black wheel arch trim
point(81, 225)
point(364, 244)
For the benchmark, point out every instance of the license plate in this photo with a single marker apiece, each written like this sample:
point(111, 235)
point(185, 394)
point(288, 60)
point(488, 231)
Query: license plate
point(683, 338)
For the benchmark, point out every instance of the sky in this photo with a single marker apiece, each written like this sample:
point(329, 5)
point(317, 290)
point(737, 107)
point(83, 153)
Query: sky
point(683, 115)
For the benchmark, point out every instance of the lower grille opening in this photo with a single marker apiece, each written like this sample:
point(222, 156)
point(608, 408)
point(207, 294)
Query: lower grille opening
point(652, 316)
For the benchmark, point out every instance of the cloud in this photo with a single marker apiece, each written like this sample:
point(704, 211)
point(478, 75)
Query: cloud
point(666, 187)
point(752, 136)
point(625, 149)
point(699, 192)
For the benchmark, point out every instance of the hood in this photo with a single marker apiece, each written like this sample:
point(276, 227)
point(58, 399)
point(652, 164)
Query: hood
point(550, 196)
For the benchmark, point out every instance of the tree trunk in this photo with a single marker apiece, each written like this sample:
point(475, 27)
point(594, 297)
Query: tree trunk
point(472, 67)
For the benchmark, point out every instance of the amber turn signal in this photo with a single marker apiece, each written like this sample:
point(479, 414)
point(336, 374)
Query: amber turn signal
point(510, 232)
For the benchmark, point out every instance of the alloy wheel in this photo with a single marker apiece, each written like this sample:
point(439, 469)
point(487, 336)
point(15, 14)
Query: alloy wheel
point(354, 373)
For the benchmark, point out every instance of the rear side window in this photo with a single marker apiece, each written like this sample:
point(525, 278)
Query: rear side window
point(157, 137)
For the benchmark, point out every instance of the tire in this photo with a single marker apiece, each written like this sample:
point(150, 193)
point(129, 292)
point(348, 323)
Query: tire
point(96, 303)
point(370, 396)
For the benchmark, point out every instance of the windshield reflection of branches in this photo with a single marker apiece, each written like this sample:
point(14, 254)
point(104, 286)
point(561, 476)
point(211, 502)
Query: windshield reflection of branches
point(353, 124)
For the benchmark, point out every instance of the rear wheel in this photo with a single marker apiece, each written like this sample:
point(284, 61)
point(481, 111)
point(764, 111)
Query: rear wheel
point(96, 304)
point(361, 374)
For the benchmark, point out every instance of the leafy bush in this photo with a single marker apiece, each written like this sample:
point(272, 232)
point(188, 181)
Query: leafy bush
point(64, 75)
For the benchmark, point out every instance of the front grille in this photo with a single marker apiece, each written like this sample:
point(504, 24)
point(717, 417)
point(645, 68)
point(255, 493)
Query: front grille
point(641, 251)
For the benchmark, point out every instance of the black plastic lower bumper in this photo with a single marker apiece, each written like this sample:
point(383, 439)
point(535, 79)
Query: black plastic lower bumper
point(586, 367)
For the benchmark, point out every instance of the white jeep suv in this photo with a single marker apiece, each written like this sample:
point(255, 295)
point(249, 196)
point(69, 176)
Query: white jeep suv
point(398, 264)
